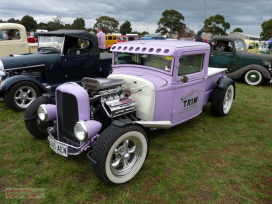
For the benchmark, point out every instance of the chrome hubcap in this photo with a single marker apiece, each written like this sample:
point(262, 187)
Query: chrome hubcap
point(126, 156)
point(24, 96)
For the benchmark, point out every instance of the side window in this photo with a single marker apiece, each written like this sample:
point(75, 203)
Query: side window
point(251, 46)
point(189, 64)
point(114, 37)
point(10, 34)
point(109, 37)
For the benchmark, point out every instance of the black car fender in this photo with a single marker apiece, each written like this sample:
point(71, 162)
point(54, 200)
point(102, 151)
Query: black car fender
point(223, 83)
point(9, 82)
point(239, 73)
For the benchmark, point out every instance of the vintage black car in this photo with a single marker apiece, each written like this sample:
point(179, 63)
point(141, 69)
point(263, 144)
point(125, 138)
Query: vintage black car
point(63, 56)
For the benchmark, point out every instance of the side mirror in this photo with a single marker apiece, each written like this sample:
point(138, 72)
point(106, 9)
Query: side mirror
point(183, 79)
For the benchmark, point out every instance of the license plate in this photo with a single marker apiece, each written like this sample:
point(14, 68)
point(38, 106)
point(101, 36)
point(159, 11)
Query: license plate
point(58, 148)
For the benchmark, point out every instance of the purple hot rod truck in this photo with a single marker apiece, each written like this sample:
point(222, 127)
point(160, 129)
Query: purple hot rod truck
point(154, 85)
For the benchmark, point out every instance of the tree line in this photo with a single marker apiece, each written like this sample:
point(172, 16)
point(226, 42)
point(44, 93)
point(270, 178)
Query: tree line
point(171, 23)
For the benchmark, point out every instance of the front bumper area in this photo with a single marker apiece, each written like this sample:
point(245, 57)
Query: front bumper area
point(71, 147)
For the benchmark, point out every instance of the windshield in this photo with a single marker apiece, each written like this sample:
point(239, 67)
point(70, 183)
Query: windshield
point(51, 42)
point(161, 62)
point(240, 45)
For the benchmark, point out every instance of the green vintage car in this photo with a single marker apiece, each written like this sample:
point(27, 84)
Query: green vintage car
point(230, 52)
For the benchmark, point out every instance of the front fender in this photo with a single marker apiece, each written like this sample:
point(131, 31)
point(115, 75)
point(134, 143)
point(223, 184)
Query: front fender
point(10, 81)
point(239, 73)
point(224, 82)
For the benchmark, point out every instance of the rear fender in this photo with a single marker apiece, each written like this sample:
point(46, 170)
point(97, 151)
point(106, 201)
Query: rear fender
point(223, 83)
point(239, 73)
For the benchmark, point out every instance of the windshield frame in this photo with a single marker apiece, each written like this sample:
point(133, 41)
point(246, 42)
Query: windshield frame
point(57, 44)
point(141, 61)
point(238, 41)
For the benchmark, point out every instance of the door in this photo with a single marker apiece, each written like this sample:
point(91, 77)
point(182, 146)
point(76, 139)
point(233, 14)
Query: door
point(190, 90)
point(80, 65)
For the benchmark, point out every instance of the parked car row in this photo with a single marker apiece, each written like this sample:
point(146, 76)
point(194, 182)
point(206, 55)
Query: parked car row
point(106, 104)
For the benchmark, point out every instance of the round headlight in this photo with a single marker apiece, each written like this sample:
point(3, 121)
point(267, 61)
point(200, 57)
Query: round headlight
point(80, 131)
point(42, 113)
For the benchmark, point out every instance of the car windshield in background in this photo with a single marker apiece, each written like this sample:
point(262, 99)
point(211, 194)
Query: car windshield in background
point(240, 45)
point(50, 42)
point(161, 62)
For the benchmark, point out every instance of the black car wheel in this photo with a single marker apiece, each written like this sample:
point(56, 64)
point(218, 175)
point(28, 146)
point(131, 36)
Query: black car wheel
point(119, 153)
point(253, 78)
point(32, 122)
point(21, 95)
point(221, 100)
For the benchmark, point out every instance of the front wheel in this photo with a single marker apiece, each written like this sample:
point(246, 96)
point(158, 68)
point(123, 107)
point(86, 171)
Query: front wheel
point(253, 78)
point(21, 95)
point(221, 100)
point(119, 154)
point(32, 122)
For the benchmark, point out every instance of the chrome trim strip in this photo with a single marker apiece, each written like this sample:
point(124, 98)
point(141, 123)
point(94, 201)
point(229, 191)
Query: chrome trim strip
point(40, 65)
point(155, 124)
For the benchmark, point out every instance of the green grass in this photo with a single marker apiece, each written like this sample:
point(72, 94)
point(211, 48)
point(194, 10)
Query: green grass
point(205, 160)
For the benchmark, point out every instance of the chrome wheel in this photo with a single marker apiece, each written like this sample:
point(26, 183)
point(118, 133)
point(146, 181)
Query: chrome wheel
point(119, 153)
point(24, 95)
point(126, 156)
point(253, 78)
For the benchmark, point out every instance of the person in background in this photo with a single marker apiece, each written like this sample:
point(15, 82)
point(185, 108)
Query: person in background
point(198, 37)
point(222, 46)
point(101, 40)
point(269, 48)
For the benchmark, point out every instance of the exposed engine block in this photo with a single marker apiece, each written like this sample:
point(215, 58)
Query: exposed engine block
point(114, 96)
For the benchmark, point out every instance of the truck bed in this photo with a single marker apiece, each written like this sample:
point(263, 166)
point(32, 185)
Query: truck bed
point(213, 71)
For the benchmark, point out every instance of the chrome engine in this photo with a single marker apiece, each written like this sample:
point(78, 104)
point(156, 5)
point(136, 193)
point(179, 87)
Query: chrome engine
point(113, 94)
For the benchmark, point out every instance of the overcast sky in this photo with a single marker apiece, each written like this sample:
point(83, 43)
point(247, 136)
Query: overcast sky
point(144, 14)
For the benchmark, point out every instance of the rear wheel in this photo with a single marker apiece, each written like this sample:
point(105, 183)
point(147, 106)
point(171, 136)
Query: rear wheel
point(32, 122)
point(221, 100)
point(119, 153)
point(21, 95)
point(253, 78)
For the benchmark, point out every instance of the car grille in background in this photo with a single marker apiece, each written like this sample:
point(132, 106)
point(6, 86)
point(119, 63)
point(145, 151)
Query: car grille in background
point(67, 115)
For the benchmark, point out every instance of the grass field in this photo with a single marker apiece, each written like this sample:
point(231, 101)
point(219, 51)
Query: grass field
point(205, 160)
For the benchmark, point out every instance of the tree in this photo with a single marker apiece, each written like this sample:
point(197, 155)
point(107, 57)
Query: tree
point(12, 20)
point(79, 24)
point(237, 30)
point(29, 23)
point(43, 26)
point(189, 32)
point(143, 33)
point(56, 24)
point(125, 28)
point(266, 34)
point(171, 22)
point(216, 25)
point(107, 24)
point(68, 26)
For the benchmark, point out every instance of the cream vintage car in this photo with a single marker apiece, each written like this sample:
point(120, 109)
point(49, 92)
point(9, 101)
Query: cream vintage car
point(13, 40)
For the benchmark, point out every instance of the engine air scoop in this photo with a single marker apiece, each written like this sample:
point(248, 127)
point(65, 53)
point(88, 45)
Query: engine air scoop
point(100, 83)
